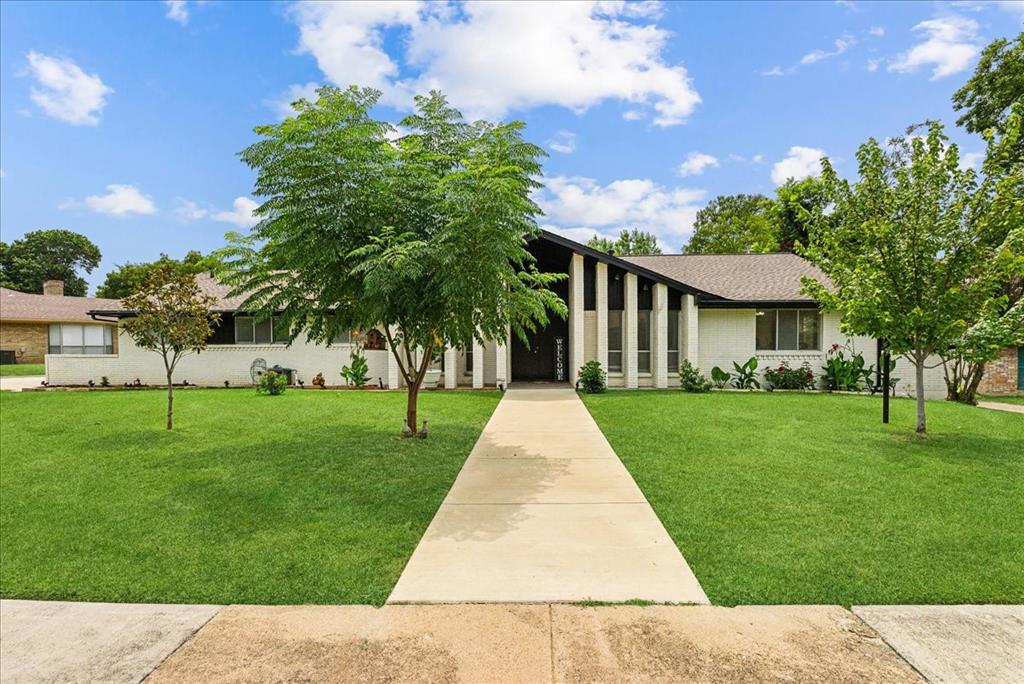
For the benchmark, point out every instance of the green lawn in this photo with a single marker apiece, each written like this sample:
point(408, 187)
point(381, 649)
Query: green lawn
point(1003, 399)
point(790, 498)
point(310, 497)
point(12, 370)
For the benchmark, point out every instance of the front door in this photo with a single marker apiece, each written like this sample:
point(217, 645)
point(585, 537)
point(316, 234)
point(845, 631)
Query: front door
point(546, 356)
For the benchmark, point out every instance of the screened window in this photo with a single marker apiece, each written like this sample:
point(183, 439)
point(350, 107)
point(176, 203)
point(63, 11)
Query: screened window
point(788, 330)
point(674, 319)
point(615, 340)
point(75, 338)
point(250, 331)
point(643, 341)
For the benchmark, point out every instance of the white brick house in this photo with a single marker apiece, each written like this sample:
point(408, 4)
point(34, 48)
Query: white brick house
point(640, 317)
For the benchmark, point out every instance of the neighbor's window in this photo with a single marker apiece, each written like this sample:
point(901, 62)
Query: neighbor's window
point(643, 341)
point(250, 331)
point(674, 318)
point(76, 338)
point(615, 340)
point(788, 329)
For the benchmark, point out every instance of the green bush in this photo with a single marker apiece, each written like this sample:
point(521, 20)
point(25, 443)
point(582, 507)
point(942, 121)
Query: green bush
point(848, 374)
point(592, 378)
point(271, 383)
point(691, 379)
point(787, 378)
point(358, 373)
point(719, 377)
point(746, 375)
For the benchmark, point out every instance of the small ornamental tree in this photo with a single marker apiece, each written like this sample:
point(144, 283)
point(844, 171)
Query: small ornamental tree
point(422, 236)
point(901, 248)
point(171, 316)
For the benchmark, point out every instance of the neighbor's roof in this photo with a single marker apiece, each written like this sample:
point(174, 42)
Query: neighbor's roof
point(207, 284)
point(738, 277)
point(21, 306)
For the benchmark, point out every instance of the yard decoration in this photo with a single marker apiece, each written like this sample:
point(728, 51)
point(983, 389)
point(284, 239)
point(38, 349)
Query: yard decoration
point(171, 316)
point(318, 381)
point(421, 235)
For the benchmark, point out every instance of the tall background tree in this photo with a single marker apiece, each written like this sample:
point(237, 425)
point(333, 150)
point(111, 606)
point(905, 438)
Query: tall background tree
point(127, 279)
point(424, 236)
point(43, 255)
point(798, 204)
point(985, 101)
point(902, 247)
point(633, 242)
point(172, 318)
point(734, 224)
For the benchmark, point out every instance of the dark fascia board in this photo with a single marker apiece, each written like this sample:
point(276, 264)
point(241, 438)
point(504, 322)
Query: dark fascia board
point(759, 304)
point(627, 266)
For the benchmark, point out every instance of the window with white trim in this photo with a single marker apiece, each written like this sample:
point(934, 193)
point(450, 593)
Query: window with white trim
point(615, 340)
point(250, 331)
point(643, 341)
point(788, 330)
point(80, 338)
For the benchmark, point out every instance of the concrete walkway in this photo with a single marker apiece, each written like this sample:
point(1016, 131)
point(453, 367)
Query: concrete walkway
point(18, 383)
point(1002, 406)
point(544, 511)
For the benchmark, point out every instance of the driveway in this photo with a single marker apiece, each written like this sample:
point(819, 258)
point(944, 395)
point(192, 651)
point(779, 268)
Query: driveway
point(18, 383)
point(544, 511)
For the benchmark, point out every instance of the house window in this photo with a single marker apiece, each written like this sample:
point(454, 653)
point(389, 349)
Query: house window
point(344, 337)
point(250, 331)
point(788, 330)
point(674, 318)
point(469, 360)
point(74, 338)
point(615, 340)
point(643, 341)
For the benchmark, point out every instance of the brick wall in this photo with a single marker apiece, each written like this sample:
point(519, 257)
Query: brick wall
point(1001, 375)
point(34, 337)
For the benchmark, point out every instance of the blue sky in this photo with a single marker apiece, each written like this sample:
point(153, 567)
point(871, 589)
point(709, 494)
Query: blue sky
point(123, 121)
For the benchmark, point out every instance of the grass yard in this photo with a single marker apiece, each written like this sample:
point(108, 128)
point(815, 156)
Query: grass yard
point(17, 370)
point(792, 498)
point(1002, 399)
point(310, 497)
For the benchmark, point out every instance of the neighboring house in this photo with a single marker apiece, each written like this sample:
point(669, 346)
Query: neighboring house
point(640, 317)
point(34, 325)
point(1005, 375)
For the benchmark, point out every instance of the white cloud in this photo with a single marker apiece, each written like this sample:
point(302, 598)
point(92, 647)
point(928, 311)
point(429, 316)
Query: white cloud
point(695, 164)
point(120, 200)
point(177, 11)
point(494, 58)
point(849, 4)
point(972, 160)
point(632, 115)
point(952, 44)
point(241, 215)
point(1013, 6)
point(582, 204)
point(877, 31)
point(757, 159)
point(190, 211)
point(801, 163)
point(66, 92)
point(873, 65)
point(774, 71)
point(283, 104)
point(841, 45)
point(564, 141)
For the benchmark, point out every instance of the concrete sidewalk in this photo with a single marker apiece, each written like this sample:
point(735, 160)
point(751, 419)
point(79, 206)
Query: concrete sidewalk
point(19, 382)
point(1002, 406)
point(544, 511)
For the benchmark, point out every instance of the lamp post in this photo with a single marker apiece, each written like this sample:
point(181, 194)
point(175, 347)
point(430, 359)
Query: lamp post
point(885, 361)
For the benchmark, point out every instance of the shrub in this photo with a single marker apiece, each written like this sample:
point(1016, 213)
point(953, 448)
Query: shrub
point(358, 373)
point(787, 378)
point(746, 375)
point(691, 379)
point(271, 383)
point(719, 377)
point(104, 381)
point(849, 374)
point(592, 378)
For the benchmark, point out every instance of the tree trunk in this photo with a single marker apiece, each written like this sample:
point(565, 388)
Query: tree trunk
point(170, 403)
point(410, 406)
point(919, 381)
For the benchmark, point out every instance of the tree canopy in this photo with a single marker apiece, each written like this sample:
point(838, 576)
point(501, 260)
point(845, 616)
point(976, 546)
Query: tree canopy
point(734, 224)
point(633, 242)
point(127, 279)
point(423, 235)
point(41, 255)
point(985, 101)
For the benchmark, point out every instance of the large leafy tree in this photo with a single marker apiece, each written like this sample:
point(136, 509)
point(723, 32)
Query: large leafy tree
point(171, 317)
point(423, 236)
point(902, 246)
point(985, 101)
point(797, 205)
point(43, 255)
point(633, 242)
point(127, 279)
point(734, 224)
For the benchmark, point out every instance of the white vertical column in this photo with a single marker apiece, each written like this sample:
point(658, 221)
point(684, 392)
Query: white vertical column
point(601, 304)
point(394, 375)
point(575, 315)
point(629, 361)
point(501, 362)
point(660, 315)
point(478, 365)
point(691, 335)
point(451, 368)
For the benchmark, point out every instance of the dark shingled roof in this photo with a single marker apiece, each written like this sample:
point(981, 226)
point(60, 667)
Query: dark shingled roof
point(21, 306)
point(738, 277)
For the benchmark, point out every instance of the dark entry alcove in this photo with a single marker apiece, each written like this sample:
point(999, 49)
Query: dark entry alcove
point(539, 361)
